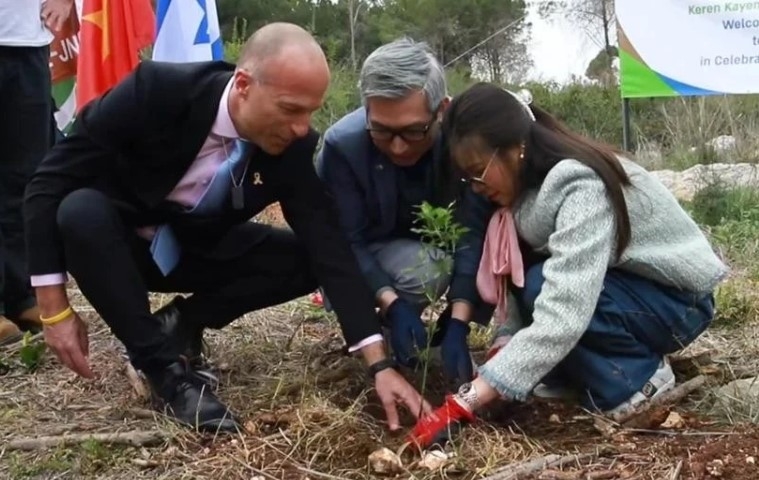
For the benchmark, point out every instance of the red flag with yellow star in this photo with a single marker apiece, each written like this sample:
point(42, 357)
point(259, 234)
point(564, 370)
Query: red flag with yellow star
point(111, 34)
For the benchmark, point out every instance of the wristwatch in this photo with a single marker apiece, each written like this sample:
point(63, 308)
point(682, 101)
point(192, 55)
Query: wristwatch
point(383, 364)
point(467, 396)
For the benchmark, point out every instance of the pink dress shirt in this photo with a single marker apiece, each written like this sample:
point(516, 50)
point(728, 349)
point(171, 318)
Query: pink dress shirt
point(192, 185)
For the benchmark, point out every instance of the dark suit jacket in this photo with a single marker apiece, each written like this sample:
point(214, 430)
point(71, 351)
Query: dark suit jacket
point(364, 183)
point(138, 140)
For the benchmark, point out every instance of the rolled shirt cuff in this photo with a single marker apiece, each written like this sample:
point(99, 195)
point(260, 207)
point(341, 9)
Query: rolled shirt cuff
point(367, 341)
point(48, 279)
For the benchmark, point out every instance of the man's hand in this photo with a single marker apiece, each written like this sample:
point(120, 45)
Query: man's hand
point(454, 349)
point(55, 12)
point(406, 331)
point(392, 389)
point(68, 339)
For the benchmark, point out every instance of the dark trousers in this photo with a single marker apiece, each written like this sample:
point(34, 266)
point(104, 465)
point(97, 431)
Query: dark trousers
point(636, 323)
point(115, 270)
point(25, 112)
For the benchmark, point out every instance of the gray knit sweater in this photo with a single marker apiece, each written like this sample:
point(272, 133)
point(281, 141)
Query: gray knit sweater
point(570, 219)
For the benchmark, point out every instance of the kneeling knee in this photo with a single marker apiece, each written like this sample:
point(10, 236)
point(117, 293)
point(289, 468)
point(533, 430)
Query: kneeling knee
point(83, 210)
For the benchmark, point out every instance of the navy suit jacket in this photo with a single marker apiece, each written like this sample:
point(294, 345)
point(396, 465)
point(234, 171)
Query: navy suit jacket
point(364, 184)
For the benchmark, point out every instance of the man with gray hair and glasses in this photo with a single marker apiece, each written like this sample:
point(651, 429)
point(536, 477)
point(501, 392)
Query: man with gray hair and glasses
point(381, 162)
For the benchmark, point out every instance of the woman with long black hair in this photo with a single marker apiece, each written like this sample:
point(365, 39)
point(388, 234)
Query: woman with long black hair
point(612, 276)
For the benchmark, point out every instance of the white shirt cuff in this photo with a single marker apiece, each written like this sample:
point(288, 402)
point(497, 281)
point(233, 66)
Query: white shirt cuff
point(367, 341)
point(49, 279)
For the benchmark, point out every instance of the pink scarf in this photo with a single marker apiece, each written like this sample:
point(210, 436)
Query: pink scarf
point(500, 258)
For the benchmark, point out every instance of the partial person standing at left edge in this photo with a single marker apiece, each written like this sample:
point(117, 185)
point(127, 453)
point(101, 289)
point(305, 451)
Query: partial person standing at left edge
point(25, 35)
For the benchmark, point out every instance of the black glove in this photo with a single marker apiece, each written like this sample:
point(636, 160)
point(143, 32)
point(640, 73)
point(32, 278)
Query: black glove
point(455, 352)
point(406, 331)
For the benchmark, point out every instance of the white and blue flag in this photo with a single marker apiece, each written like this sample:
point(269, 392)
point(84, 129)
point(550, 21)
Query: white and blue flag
point(188, 31)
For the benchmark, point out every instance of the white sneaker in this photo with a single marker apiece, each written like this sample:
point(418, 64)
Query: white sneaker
point(661, 381)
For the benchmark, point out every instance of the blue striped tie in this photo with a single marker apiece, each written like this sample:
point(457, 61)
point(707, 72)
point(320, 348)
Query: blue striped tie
point(165, 247)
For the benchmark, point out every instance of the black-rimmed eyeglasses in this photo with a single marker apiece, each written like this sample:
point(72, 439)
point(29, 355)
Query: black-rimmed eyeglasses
point(408, 134)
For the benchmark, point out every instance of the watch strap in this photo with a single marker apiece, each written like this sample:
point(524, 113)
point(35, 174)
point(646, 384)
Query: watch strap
point(383, 364)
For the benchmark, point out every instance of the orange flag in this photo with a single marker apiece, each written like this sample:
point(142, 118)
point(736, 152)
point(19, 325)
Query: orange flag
point(111, 34)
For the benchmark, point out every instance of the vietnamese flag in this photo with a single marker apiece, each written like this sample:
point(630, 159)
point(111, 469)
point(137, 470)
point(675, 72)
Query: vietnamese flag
point(111, 34)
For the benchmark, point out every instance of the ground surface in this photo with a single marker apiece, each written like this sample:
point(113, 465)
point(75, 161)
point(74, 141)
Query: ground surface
point(310, 413)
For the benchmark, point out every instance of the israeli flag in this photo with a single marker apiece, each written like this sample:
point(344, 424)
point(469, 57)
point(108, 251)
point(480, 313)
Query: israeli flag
point(188, 31)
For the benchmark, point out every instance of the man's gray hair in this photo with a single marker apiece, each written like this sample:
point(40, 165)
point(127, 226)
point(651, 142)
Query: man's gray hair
point(397, 68)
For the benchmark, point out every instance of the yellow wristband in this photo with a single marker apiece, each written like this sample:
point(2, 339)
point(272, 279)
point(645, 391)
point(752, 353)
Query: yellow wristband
point(57, 318)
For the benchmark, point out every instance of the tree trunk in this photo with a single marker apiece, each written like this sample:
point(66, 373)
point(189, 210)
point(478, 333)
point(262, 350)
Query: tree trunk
point(353, 11)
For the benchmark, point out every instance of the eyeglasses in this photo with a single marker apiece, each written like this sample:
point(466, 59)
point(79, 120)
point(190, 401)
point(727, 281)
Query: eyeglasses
point(408, 134)
point(480, 180)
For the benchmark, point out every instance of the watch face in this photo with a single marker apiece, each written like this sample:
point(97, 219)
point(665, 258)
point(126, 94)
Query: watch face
point(465, 388)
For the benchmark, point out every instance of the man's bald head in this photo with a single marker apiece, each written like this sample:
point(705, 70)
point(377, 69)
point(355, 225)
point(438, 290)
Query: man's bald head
point(274, 40)
point(280, 81)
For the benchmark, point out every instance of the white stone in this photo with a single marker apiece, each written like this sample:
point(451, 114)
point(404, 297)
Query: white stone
point(385, 461)
point(685, 184)
point(740, 395)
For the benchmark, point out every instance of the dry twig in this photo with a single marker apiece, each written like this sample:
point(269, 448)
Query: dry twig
point(669, 397)
point(513, 472)
point(676, 473)
point(135, 438)
point(135, 381)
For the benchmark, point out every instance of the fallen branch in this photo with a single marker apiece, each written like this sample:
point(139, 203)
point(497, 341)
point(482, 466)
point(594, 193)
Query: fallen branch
point(676, 473)
point(670, 433)
point(514, 472)
point(135, 438)
point(135, 381)
point(672, 396)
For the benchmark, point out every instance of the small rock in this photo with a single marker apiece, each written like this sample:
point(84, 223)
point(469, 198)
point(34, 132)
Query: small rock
point(750, 460)
point(251, 427)
point(715, 468)
point(674, 420)
point(738, 394)
point(435, 460)
point(554, 418)
point(385, 461)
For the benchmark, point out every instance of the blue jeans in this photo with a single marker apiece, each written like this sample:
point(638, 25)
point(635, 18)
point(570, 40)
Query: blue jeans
point(636, 322)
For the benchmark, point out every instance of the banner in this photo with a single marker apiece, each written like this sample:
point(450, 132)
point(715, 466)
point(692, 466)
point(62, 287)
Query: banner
point(187, 31)
point(64, 52)
point(688, 47)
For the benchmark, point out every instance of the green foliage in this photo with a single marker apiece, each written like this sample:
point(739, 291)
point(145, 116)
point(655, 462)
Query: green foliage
point(349, 30)
point(438, 228)
point(735, 306)
point(678, 127)
point(732, 217)
point(716, 206)
point(31, 352)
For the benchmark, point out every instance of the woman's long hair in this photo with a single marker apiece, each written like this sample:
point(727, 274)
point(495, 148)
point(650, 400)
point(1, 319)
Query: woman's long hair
point(490, 114)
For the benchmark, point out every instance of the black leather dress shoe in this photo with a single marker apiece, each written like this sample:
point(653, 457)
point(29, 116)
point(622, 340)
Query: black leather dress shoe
point(189, 338)
point(181, 395)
